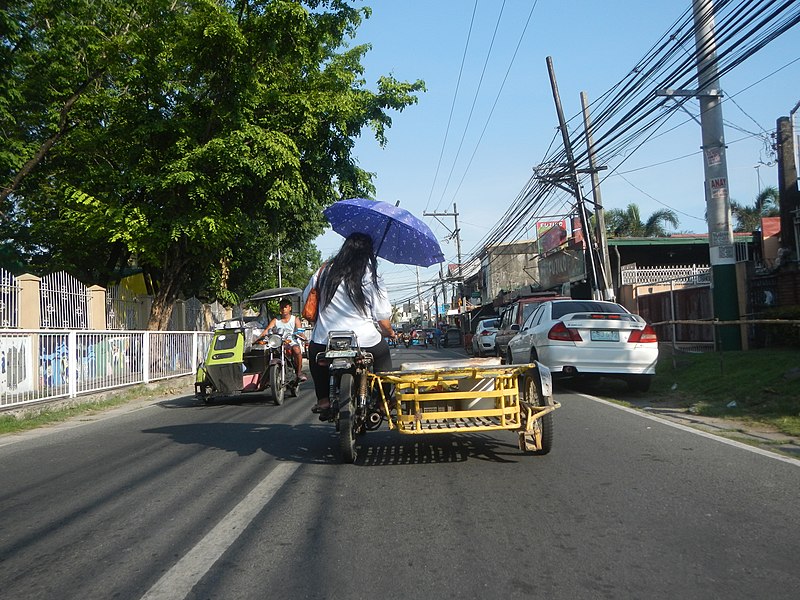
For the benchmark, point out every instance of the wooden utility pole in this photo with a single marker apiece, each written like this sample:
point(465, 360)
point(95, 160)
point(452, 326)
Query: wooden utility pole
point(574, 185)
point(604, 263)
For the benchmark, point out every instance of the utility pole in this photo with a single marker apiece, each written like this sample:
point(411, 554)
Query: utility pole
point(787, 187)
point(600, 218)
point(419, 299)
point(718, 209)
point(576, 188)
point(280, 284)
point(455, 233)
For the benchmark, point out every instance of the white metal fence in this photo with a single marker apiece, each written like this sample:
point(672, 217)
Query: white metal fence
point(64, 302)
point(9, 300)
point(37, 365)
point(689, 275)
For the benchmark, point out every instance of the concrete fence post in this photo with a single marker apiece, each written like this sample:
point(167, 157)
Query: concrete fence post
point(97, 307)
point(30, 305)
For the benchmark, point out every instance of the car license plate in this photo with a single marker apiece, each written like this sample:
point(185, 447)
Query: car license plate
point(604, 335)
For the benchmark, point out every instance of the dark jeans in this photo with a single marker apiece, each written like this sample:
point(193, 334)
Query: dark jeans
point(322, 376)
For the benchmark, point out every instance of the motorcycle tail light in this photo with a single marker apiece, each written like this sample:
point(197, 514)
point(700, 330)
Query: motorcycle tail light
point(274, 341)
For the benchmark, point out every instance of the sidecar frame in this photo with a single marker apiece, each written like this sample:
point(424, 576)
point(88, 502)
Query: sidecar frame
point(464, 396)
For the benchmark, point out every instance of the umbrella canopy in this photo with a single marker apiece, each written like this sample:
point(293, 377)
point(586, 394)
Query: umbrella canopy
point(397, 235)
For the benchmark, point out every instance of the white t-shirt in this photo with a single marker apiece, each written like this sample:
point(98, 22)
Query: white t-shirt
point(342, 315)
point(285, 326)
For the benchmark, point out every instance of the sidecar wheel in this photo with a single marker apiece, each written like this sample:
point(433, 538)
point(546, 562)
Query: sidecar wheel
point(347, 434)
point(545, 423)
point(276, 384)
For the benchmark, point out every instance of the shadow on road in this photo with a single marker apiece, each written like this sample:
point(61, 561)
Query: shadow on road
point(389, 448)
point(249, 399)
point(318, 443)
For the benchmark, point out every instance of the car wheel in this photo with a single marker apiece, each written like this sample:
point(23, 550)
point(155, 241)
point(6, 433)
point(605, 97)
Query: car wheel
point(639, 383)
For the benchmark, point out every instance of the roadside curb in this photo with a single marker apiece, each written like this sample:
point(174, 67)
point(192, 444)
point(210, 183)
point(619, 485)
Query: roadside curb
point(740, 431)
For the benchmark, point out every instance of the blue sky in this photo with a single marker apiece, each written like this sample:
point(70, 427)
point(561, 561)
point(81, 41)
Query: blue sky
point(594, 44)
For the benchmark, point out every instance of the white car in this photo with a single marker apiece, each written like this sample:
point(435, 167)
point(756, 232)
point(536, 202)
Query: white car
point(588, 337)
point(483, 340)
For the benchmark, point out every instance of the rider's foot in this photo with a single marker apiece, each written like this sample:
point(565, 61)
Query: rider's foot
point(301, 378)
point(321, 407)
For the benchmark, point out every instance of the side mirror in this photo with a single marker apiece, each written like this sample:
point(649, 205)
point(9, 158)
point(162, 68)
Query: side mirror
point(515, 327)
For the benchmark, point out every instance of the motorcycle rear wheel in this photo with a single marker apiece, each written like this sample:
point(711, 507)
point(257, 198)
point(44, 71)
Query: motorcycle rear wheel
point(276, 383)
point(347, 421)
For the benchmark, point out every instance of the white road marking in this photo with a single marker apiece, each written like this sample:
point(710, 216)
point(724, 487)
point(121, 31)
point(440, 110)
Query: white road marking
point(700, 432)
point(184, 575)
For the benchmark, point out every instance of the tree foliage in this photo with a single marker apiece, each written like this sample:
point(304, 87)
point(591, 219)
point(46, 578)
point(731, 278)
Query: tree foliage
point(188, 137)
point(628, 222)
point(748, 217)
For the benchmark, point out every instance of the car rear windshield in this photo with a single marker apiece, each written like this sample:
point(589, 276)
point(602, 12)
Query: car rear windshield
point(575, 306)
point(491, 324)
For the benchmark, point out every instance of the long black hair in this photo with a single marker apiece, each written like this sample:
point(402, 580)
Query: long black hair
point(349, 266)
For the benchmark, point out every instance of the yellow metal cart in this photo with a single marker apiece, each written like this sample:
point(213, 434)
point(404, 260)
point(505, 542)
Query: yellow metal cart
point(457, 396)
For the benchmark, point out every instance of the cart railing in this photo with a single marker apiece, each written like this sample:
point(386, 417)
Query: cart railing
point(472, 395)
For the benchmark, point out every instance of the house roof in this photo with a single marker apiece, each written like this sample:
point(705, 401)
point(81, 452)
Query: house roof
point(674, 239)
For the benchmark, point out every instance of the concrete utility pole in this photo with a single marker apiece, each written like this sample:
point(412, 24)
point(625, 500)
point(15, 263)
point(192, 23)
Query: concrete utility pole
point(600, 221)
point(419, 298)
point(455, 233)
point(718, 208)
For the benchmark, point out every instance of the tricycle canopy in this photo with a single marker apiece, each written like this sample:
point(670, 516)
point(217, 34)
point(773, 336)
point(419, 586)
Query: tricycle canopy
point(272, 293)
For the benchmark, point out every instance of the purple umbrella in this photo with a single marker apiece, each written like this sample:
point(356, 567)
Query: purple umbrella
point(397, 235)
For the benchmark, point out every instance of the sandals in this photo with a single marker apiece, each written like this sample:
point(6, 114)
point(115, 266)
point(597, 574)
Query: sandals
point(317, 409)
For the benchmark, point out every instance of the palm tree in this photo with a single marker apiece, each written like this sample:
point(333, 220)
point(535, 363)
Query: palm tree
point(748, 218)
point(628, 222)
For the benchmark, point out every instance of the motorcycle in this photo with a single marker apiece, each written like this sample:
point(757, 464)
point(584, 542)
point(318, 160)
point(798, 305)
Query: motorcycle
point(281, 355)
point(356, 402)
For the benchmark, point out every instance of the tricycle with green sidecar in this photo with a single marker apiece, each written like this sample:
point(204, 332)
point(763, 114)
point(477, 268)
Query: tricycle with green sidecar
point(243, 357)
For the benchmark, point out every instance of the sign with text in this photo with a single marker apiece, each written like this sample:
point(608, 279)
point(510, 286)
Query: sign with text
point(551, 234)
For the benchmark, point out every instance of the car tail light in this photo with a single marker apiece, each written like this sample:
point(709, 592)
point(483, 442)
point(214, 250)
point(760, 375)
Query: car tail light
point(484, 332)
point(643, 336)
point(561, 332)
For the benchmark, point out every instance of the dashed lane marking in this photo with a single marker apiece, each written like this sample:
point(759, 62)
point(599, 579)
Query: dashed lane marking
point(184, 575)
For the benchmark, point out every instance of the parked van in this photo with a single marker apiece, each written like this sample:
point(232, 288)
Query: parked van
point(514, 315)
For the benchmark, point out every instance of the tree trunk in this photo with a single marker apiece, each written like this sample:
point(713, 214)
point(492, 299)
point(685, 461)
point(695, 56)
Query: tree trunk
point(172, 278)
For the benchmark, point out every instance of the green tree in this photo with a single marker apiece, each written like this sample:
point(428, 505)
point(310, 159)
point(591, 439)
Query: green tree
point(208, 132)
point(748, 218)
point(628, 222)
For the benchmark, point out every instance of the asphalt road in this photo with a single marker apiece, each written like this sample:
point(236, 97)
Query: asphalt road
point(245, 499)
